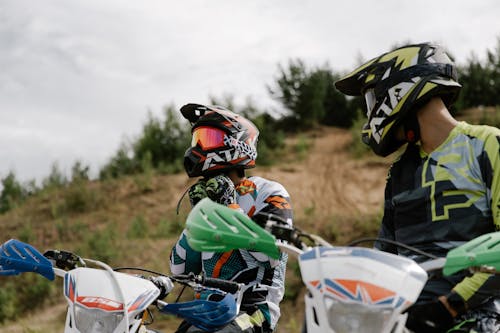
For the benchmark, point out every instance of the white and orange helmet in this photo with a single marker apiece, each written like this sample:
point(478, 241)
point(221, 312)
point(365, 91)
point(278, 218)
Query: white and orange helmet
point(221, 140)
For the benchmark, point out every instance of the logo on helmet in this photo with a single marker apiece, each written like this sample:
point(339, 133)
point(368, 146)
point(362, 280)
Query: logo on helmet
point(390, 106)
point(238, 149)
point(240, 146)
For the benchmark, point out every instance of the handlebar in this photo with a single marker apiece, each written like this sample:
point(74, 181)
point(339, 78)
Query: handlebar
point(64, 259)
point(224, 285)
point(281, 229)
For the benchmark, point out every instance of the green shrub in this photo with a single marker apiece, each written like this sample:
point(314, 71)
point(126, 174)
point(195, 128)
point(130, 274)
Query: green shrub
point(22, 294)
point(144, 180)
point(138, 228)
point(302, 147)
point(491, 118)
point(79, 198)
point(68, 230)
point(101, 244)
point(55, 179)
point(8, 309)
point(168, 228)
point(358, 148)
point(161, 145)
point(76, 197)
point(12, 193)
point(26, 233)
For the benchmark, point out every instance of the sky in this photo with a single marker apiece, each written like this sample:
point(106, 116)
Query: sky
point(78, 77)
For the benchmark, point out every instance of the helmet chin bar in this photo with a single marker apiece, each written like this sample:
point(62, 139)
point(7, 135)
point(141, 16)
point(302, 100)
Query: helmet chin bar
point(411, 128)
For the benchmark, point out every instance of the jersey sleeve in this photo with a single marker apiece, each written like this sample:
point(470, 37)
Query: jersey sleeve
point(276, 200)
point(480, 286)
point(386, 230)
point(491, 174)
point(183, 259)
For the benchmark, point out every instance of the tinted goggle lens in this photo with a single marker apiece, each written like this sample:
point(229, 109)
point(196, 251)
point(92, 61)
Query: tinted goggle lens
point(208, 137)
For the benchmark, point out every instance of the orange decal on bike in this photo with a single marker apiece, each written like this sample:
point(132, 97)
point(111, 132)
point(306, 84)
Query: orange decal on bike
point(365, 290)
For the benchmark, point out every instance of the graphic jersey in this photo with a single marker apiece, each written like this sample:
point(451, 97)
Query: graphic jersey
point(438, 201)
point(265, 275)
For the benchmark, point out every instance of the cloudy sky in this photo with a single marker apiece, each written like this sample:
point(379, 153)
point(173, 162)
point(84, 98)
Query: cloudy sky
point(77, 77)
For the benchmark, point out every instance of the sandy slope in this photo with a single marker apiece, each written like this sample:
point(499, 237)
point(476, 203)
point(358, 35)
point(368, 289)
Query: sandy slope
point(330, 180)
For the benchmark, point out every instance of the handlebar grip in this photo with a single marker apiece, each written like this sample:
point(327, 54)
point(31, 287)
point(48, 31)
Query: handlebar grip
point(224, 285)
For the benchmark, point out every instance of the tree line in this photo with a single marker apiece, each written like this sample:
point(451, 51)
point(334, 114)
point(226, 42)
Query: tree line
point(307, 96)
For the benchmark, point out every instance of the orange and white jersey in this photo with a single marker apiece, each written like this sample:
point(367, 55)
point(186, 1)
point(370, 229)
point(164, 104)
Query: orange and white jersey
point(265, 275)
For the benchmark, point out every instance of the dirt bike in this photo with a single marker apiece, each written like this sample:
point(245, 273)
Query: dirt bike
point(102, 299)
point(349, 288)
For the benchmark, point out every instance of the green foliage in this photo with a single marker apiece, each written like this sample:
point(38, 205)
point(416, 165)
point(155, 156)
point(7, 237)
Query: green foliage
point(26, 233)
point(302, 146)
point(12, 193)
point(79, 172)
point(164, 141)
point(80, 198)
point(310, 210)
point(144, 180)
point(7, 302)
point(160, 145)
point(271, 135)
point(138, 228)
point(163, 229)
point(55, 179)
point(101, 244)
point(75, 197)
point(357, 147)
point(22, 294)
point(311, 97)
point(480, 80)
point(491, 118)
point(70, 230)
point(172, 227)
point(123, 163)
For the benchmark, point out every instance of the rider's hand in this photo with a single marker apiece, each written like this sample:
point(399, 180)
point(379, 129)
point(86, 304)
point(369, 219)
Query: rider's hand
point(197, 192)
point(221, 190)
point(429, 317)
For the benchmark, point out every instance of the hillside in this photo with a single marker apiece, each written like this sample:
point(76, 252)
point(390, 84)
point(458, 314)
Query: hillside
point(132, 221)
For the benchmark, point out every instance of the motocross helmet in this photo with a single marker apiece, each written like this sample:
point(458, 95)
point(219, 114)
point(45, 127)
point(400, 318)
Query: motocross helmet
point(221, 141)
point(395, 85)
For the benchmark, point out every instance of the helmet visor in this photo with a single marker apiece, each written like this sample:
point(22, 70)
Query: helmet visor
point(370, 100)
point(208, 137)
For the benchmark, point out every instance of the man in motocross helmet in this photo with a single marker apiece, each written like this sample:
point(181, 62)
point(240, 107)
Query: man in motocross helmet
point(223, 146)
point(444, 188)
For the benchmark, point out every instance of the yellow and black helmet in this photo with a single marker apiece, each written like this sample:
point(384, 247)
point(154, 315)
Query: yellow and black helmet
point(395, 85)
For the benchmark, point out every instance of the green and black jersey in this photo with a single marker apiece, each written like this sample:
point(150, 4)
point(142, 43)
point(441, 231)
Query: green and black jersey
point(437, 201)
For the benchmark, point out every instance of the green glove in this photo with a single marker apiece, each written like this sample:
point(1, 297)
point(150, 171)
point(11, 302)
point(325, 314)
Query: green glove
point(197, 192)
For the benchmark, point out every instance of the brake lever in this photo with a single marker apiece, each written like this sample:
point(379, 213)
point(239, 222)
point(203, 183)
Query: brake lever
point(64, 259)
